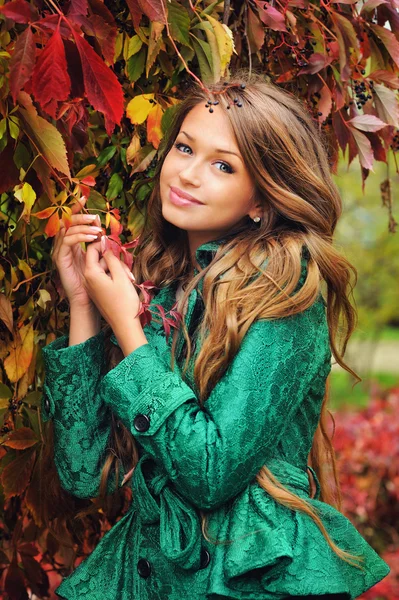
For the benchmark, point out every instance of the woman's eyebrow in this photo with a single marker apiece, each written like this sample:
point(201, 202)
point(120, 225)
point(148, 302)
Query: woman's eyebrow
point(216, 149)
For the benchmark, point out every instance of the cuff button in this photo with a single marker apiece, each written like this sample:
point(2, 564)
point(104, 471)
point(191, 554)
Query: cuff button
point(141, 423)
point(47, 405)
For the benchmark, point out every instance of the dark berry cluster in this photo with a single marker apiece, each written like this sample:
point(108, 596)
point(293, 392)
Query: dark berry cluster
point(362, 94)
point(395, 141)
point(236, 101)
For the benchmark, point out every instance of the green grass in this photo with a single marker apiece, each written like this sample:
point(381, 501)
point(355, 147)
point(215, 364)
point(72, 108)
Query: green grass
point(343, 396)
point(388, 334)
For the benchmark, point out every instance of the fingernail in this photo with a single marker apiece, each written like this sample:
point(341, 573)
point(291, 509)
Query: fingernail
point(89, 217)
point(132, 277)
point(102, 242)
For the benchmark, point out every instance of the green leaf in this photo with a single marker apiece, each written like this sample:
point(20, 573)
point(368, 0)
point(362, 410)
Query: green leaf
point(22, 156)
point(135, 65)
point(135, 44)
point(205, 67)
point(3, 127)
point(105, 155)
point(33, 417)
point(115, 186)
point(34, 398)
point(5, 395)
point(48, 138)
point(13, 125)
point(167, 118)
point(179, 23)
point(96, 200)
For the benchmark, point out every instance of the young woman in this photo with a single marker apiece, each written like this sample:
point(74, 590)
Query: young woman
point(221, 420)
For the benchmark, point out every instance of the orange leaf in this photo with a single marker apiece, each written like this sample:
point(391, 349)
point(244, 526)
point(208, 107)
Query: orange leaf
point(21, 352)
point(21, 438)
point(44, 214)
point(154, 131)
point(53, 225)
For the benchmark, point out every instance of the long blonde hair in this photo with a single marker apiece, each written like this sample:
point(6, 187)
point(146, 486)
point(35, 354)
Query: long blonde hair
point(287, 157)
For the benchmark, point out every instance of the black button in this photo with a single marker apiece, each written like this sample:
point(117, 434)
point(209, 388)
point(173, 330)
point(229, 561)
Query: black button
point(205, 558)
point(144, 568)
point(47, 405)
point(141, 423)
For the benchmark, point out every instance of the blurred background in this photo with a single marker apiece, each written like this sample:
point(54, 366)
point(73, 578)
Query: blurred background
point(363, 237)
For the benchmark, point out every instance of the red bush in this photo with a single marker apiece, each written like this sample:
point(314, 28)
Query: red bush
point(367, 447)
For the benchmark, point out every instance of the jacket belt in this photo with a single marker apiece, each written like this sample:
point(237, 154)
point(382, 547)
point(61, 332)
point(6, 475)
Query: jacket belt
point(180, 529)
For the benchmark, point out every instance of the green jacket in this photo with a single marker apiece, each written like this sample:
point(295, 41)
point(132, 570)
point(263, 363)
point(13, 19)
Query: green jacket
point(264, 411)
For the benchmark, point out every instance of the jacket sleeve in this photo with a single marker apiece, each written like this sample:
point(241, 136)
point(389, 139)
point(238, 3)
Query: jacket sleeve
point(82, 422)
point(212, 453)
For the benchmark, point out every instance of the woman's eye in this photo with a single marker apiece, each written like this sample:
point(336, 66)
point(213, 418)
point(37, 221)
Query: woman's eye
point(231, 170)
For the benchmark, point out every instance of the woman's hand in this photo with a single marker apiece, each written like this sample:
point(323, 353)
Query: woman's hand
point(112, 292)
point(70, 258)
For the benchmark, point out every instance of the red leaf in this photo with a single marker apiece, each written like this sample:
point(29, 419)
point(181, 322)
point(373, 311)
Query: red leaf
point(389, 40)
point(50, 80)
point(135, 11)
point(270, 16)
point(365, 151)
point(28, 548)
point(103, 89)
point(381, 76)
point(22, 62)
point(21, 438)
point(89, 180)
point(19, 11)
point(105, 33)
point(316, 63)
point(9, 172)
point(366, 123)
point(14, 584)
point(78, 7)
point(153, 10)
point(15, 476)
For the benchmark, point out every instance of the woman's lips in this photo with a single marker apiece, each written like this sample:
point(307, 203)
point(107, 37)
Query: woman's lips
point(179, 201)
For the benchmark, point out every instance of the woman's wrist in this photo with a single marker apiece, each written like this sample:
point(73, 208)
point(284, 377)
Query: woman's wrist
point(85, 322)
point(131, 336)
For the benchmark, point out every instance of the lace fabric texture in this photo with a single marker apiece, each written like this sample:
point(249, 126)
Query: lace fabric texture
point(264, 411)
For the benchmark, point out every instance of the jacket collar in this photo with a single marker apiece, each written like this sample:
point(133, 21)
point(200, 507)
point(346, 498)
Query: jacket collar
point(206, 252)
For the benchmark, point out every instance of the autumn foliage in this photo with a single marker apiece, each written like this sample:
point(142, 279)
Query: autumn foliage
point(87, 90)
point(367, 446)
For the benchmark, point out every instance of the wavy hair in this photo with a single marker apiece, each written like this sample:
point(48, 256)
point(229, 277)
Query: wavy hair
point(287, 157)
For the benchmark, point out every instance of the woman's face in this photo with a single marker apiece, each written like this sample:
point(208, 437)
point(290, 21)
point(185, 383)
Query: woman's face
point(216, 179)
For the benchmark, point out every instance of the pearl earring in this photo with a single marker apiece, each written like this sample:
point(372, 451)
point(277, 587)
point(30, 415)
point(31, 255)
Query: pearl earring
point(256, 219)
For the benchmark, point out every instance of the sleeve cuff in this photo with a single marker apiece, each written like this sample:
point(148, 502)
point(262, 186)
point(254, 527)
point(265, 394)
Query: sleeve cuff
point(143, 390)
point(65, 366)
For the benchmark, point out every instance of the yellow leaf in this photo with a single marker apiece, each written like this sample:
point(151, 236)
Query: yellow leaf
point(21, 351)
point(6, 312)
point(132, 149)
point(2, 273)
point(44, 297)
point(118, 46)
point(25, 268)
point(138, 108)
point(154, 131)
point(224, 41)
point(88, 170)
point(26, 194)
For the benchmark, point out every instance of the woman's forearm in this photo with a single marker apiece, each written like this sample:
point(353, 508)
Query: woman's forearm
point(85, 321)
